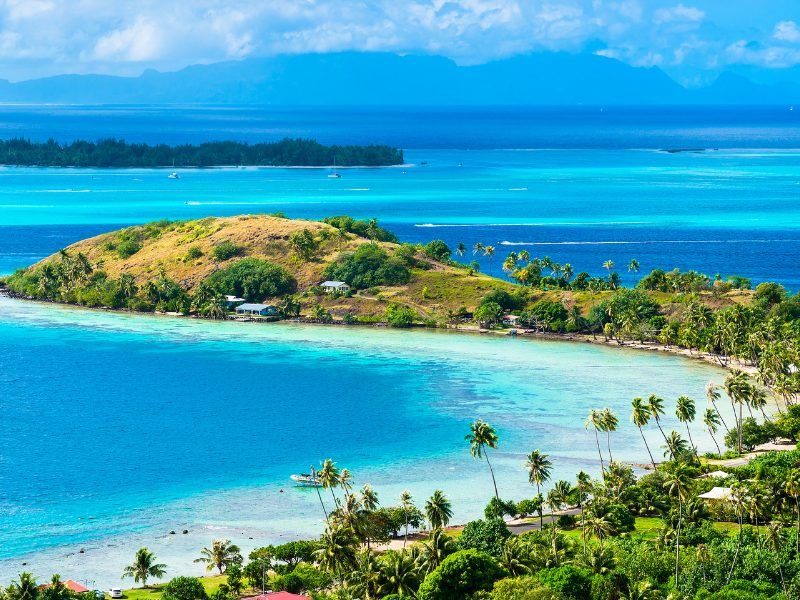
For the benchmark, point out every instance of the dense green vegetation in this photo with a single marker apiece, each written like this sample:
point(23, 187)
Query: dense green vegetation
point(118, 153)
point(369, 266)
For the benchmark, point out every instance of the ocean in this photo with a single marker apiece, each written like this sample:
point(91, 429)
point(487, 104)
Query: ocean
point(118, 429)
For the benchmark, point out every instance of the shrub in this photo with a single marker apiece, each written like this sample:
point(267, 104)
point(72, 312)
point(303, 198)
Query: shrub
point(304, 577)
point(569, 580)
point(753, 434)
point(770, 293)
point(400, 316)
point(522, 588)
point(128, 248)
point(303, 243)
point(461, 574)
point(489, 313)
point(487, 536)
point(226, 250)
point(362, 228)
point(193, 253)
point(252, 278)
point(438, 250)
point(499, 508)
point(184, 588)
point(368, 266)
point(506, 300)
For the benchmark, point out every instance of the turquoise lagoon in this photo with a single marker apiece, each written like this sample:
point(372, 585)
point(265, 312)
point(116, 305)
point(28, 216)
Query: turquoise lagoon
point(118, 429)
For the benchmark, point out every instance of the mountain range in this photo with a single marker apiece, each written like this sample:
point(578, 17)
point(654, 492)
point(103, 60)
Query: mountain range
point(382, 79)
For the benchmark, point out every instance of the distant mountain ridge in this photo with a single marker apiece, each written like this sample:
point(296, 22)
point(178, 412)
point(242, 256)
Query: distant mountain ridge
point(384, 79)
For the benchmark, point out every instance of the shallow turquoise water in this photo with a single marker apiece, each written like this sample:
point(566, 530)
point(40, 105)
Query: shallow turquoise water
point(118, 428)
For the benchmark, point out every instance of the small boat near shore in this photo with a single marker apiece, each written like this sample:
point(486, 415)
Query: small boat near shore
point(306, 480)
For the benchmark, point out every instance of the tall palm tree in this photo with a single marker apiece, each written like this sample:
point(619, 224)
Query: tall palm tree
point(792, 488)
point(656, 407)
point(481, 437)
point(407, 503)
point(583, 488)
point(640, 416)
point(685, 411)
point(538, 466)
point(329, 477)
point(144, 566)
point(610, 423)
point(712, 393)
point(337, 551)
point(595, 420)
point(737, 389)
point(399, 574)
point(438, 510)
point(712, 422)
point(678, 483)
point(315, 477)
point(758, 400)
point(608, 265)
point(461, 249)
point(221, 554)
point(738, 499)
point(675, 446)
point(775, 538)
point(633, 266)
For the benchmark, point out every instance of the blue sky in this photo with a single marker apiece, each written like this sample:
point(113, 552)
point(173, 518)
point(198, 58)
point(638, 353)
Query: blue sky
point(693, 40)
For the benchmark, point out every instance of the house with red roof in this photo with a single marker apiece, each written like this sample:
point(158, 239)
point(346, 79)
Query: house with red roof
point(69, 584)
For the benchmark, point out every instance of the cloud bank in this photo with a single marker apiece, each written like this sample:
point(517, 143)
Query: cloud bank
point(692, 39)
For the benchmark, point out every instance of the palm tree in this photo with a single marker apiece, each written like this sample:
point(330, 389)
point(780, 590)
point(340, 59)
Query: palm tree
point(329, 477)
point(758, 400)
point(461, 249)
point(583, 488)
point(643, 590)
point(337, 550)
point(538, 466)
point(633, 266)
point(24, 589)
point(488, 252)
point(608, 265)
point(515, 557)
point(641, 417)
point(737, 389)
point(712, 421)
point(407, 503)
point(399, 574)
point(599, 527)
point(432, 552)
point(221, 554)
point(678, 483)
point(792, 487)
point(483, 436)
point(315, 477)
point(713, 395)
point(685, 411)
point(144, 566)
point(595, 420)
point(675, 446)
point(656, 407)
point(478, 247)
point(775, 537)
point(438, 510)
point(610, 423)
point(367, 576)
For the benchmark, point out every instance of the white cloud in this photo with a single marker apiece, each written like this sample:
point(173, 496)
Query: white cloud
point(770, 57)
point(142, 41)
point(787, 31)
point(679, 13)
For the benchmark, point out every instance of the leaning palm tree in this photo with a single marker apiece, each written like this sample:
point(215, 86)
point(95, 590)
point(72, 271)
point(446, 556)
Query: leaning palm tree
point(656, 406)
point(713, 395)
point(712, 422)
point(329, 477)
point(144, 566)
point(737, 389)
point(482, 436)
point(758, 400)
point(679, 483)
point(610, 423)
point(538, 466)
point(221, 554)
point(640, 416)
point(595, 420)
point(676, 446)
point(685, 411)
point(438, 510)
point(478, 247)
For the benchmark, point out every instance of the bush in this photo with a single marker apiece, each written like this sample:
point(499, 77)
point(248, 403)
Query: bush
point(489, 313)
point(184, 588)
point(522, 588)
point(753, 434)
point(368, 266)
point(193, 253)
point(362, 228)
point(571, 581)
point(304, 577)
point(226, 250)
point(128, 248)
point(400, 316)
point(438, 250)
point(499, 508)
point(769, 294)
point(252, 278)
point(461, 574)
point(487, 536)
point(506, 300)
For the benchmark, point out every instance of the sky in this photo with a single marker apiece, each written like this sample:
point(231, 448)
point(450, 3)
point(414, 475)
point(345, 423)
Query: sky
point(692, 40)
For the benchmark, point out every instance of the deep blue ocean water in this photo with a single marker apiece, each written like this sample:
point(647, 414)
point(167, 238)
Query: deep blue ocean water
point(119, 428)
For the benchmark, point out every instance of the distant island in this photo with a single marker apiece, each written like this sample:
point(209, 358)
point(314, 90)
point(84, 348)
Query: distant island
point(112, 153)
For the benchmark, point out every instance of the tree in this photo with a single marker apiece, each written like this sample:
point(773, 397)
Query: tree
point(737, 389)
point(303, 244)
point(337, 550)
point(595, 420)
point(538, 465)
point(144, 566)
point(712, 421)
point(713, 395)
point(56, 590)
point(23, 589)
point(792, 488)
point(487, 535)
point(609, 423)
point(461, 575)
point(329, 477)
point(461, 249)
point(640, 416)
point(481, 437)
point(408, 504)
point(488, 313)
point(433, 551)
point(678, 483)
point(233, 578)
point(398, 573)
point(438, 510)
point(221, 555)
point(656, 407)
point(184, 588)
point(608, 265)
point(685, 411)
point(599, 527)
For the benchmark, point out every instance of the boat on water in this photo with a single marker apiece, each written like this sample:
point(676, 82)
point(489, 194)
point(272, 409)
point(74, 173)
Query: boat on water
point(334, 174)
point(306, 479)
point(173, 175)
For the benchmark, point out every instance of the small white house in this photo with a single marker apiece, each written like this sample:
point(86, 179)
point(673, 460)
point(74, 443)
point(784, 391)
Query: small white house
point(717, 493)
point(335, 286)
point(256, 310)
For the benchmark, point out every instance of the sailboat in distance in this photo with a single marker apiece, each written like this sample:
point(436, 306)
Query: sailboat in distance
point(334, 174)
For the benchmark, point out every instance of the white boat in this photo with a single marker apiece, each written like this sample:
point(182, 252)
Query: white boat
point(306, 479)
point(334, 174)
point(173, 175)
